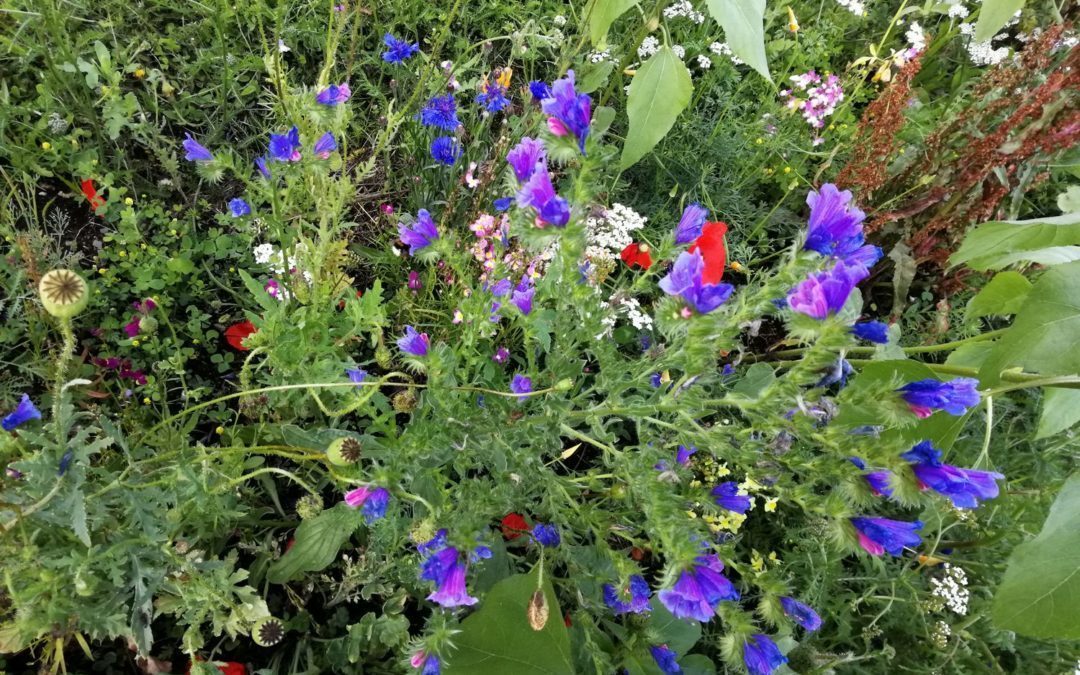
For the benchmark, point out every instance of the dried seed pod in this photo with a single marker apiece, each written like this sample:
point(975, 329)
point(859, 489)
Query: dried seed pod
point(537, 610)
point(344, 451)
point(63, 293)
point(267, 631)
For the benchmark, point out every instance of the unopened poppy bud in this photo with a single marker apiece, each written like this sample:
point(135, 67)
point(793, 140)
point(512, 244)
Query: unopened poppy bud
point(564, 384)
point(64, 294)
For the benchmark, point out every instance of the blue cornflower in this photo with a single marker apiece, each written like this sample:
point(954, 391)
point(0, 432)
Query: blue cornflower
point(569, 111)
point(666, 660)
point(285, 147)
point(502, 203)
point(493, 98)
point(524, 157)
point(871, 331)
point(546, 535)
point(726, 495)
point(685, 280)
point(445, 150)
point(372, 501)
point(835, 227)
point(690, 223)
point(521, 384)
point(825, 293)
point(238, 207)
point(878, 535)
point(356, 375)
point(261, 165)
point(800, 613)
point(683, 455)
point(761, 655)
point(195, 151)
point(24, 412)
point(413, 342)
point(954, 396)
point(420, 234)
point(539, 90)
point(637, 592)
point(698, 590)
point(324, 146)
point(963, 487)
point(539, 193)
point(334, 94)
point(441, 112)
point(398, 50)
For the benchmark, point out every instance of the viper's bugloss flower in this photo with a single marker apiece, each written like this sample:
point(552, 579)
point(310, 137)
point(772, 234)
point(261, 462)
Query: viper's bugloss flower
point(371, 501)
point(521, 384)
point(501, 355)
point(569, 111)
point(954, 396)
point(413, 342)
point(493, 97)
point(726, 495)
point(683, 455)
point(524, 157)
point(691, 223)
point(420, 234)
point(334, 94)
point(414, 284)
point(356, 375)
point(546, 535)
point(877, 480)
point(502, 287)
point(261, 165)
point(825, 293)
point(447, 568)
point(195, 151)
point(963, 487)
point(285, 147)
point(637, 592)
point(698, 590)
point(656, 379)
point(502, 203)
point(685, 280)
point(871, 331)
point(445, 150)
point(539, 90)
point(878, 535)
point(398, 50)
point(666, 660)
point(324, 146)
point(441, 112)
point(24, 412)
point(431, 666)
point(801, 613)
point(713, 249)
point(864, 257)
point(238, 207)
point(761, 655)
point(539, 193)
point(835, 226)
point(523, 299)
point(838, 373)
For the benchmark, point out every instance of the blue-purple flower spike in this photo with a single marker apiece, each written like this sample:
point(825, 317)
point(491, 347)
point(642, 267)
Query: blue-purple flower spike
point(963, 487)
point(666, 659)
point(698, 590)
point(685, 280)
point(880, 535)
point(726, 495)
point(195, 151)
point(570, 112)
point(690, 223)
point(954, 396)
point(637, 592)
point(420, 234)
point(414, 343)
point(761, 655)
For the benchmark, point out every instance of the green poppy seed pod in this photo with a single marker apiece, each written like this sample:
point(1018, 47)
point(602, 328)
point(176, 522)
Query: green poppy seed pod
point(267, 631)
point(64, 294)
point(148, 325)
point(344, 451)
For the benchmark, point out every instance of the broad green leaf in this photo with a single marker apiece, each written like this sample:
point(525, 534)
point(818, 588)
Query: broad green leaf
point(1004, 295)
point(993, 15)
point(594, 76)
point(743, 22)
point(971, 355)
point(316, 544)
point(658, 93)
point(498, 639)
point(697, 664)
point(1042, 338)
point(677, 634)
point(1040, 594)
point(1061, 410)
point(1000, 243)
point(1069, 201)
point(602, 13)
point(757, 378)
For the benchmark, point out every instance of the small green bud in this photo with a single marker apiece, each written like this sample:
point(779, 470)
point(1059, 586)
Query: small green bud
point(309, 506)
point(267, 631)
point(383, 357)
point(565, 384)
point(64, 294)
point(344, 451)
point(148, 325)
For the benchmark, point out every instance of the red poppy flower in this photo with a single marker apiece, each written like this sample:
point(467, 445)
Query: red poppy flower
point(637, 254)
point(566, 620)
point(513, 526)
point(226, 667)
point(92, 195)
point(713, 250)
point(236, 333)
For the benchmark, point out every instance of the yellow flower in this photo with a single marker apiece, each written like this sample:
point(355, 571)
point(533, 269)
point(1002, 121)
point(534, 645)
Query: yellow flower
point(772, 558)
point(735, 265)
point(146, 401)
point(134, 343)
point(792, 22)
point(122, 254)
point(102, 270)
point(787, 169)
point(129, 201)
point(219, 430)
point(750, 484)
point(722, 471)
point(46, 145)
point(139, 73)
point(759, 140)
point(757, 562)
point(770, 504)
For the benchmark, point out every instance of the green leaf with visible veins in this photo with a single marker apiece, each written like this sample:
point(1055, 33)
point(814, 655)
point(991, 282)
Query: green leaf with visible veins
point(660, 90)
point(1040, 594)
point(744, 29)
point(316, 544)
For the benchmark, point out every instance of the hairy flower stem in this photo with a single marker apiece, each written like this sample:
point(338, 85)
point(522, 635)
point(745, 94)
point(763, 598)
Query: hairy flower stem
point(67, 348)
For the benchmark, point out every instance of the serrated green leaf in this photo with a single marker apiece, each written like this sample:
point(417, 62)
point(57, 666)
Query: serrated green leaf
point(993, 15)
point(316, 543)
point(498, 639)
point(603, 13)
point(998, 244)
point(1004, 295)
point(1060, 411)
point(660, 90)
point(744, 29)
point(1040, 594)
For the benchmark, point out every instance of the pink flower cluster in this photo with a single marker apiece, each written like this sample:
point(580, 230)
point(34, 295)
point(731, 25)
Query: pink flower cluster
point(821, 97)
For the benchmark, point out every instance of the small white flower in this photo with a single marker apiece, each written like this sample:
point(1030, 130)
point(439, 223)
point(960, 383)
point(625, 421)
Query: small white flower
point(559, 20)
point(704, 62)
point(282, 47)
point(679, 51)
point(958, 11)
point(649, 46)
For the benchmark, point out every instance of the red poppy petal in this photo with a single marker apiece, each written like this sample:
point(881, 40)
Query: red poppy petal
point(514, 525)
point(713, 250)
point(236, 333)
point(91, 194)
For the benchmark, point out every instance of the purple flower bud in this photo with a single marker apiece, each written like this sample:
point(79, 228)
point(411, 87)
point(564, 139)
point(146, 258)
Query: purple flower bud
point(24, 412)
point(195, 151)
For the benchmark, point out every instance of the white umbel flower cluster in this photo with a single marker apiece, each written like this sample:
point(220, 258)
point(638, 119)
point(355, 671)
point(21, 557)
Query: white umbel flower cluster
point(606, 237)
point(600, 56)
point(722, 49)
point(679, 51)
point(856, 7)
point(958, 11)
point(626, 307)
point(704, 62)
point(649, 46)
point(684, 8)
point(276, 260)
point(952, 588)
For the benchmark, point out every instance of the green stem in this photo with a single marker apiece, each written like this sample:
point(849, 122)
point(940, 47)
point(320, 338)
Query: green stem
point(62, 360)
point(281, 472)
